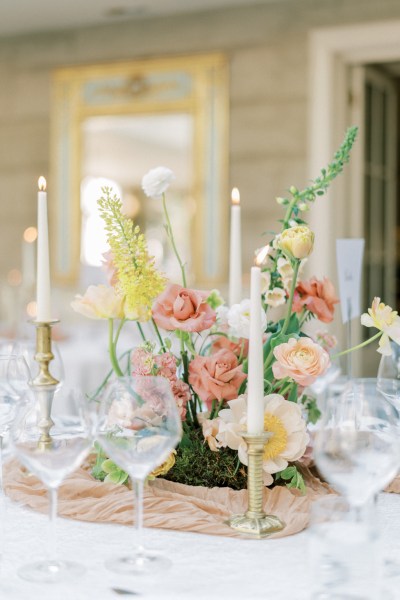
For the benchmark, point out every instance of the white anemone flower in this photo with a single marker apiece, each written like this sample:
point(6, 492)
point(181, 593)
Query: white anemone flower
point(239, 319)
point(157, 181)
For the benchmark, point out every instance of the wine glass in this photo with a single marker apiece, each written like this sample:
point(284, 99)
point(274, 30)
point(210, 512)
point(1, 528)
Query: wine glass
point(14, 382)
point(357, 447)
point(388, 380)
point(51, 453)
point(138, 427)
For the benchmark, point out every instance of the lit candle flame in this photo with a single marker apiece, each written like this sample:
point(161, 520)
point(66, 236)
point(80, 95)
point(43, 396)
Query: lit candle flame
point(42, 183)
point(261, 256)
point(235, 196)
point(30, 234)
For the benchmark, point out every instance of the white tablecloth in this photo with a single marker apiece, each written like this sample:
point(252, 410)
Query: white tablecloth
point(204, 567)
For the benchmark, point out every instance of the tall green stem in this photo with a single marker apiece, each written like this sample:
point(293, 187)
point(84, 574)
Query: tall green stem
point(141, 331)
point(374, 337)
point(290, 302)
point(172, 240)
point(112, 349)
point(158, 335)
point(289, 211)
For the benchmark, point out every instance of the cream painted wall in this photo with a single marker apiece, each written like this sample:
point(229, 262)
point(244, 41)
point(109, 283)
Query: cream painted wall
point(267, 49)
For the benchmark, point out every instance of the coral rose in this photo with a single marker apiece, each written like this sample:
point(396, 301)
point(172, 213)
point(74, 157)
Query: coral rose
point(303, 360)
point(184, 309)
point(240, 348)
point(317, 296)
point(217, 377)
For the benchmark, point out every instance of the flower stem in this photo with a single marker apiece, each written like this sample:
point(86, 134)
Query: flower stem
point(172, 240)
point(158, 335)
point(290, 302)
point(112, 349)
point(374, 337)
point(141, 331)
point(289, 211)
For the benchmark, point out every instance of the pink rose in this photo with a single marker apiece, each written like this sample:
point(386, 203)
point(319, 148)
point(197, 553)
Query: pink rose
point(166, 365)
point(317, 296)
point(216, 377)
point(181, 308)
point(239, 348)
point(303, 360)
point(181, 392)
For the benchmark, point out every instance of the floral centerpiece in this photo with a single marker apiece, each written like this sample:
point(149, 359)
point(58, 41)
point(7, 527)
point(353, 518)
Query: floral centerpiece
point(200, 345)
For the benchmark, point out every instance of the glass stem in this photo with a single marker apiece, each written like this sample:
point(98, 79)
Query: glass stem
point(138, 485)
point(52, 538)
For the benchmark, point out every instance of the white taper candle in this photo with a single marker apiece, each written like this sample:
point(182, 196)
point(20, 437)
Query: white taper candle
point(43, 290)
point(235, 253)
point(255, 382)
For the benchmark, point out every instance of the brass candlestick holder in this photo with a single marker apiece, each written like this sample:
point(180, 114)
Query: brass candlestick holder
point(44, 384)
point(255, 522)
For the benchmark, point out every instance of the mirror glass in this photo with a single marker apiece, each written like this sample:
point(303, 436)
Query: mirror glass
point(111, 124)
point(116, 152)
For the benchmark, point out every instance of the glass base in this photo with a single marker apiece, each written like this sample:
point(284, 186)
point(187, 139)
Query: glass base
point(51, 571)
point(138, 563)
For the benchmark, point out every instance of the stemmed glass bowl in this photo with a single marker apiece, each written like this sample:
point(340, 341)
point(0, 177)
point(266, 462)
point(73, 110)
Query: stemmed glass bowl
point(51, 453)
point(138, 427)
point(357, 445)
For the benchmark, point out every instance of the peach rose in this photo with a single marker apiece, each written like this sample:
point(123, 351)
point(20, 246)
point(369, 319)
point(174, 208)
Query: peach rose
point(181, 308)
point(303, 360)
point(318, 297)
point(217, 377)
point(240, 348)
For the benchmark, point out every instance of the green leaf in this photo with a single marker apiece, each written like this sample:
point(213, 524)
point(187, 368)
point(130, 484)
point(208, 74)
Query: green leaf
point(292, 477)
point(293, 393)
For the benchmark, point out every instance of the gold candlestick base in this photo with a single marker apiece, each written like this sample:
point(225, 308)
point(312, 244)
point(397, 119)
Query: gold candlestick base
point(44, 384)
point(255, 522)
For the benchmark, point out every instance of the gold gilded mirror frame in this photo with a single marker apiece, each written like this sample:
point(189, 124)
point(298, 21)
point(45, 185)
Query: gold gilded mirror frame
point(197, 85)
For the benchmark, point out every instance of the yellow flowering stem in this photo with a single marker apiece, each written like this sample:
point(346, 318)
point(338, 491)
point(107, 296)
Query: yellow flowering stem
point(112, 349)
point(172, 240)
point(291, 295)
point(158, 335)
point(374, 337)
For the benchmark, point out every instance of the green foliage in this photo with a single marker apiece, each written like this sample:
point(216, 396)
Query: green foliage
point(196, 464)
point(292, 478)
point(310, 404)
point(215, 299)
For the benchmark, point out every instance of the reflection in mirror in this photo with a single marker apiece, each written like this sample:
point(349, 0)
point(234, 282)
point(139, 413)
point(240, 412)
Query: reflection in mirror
point(117, 152)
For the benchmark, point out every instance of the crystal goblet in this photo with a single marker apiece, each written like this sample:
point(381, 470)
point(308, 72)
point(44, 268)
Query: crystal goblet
point(138, 427)
point(51, 455)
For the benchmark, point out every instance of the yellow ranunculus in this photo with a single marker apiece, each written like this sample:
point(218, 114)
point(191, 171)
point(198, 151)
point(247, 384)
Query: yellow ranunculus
point(296, 242)
point(99, 302)
point(165, 467)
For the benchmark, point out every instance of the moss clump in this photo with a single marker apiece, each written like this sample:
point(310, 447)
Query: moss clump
point(196, 464)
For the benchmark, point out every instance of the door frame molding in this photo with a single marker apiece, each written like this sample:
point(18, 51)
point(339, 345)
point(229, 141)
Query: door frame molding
point(332, 51)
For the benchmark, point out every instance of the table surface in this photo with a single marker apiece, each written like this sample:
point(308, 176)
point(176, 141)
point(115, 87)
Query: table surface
point(204, 567)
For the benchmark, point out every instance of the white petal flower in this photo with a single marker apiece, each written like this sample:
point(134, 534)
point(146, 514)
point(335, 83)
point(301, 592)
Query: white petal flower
point(387, 320)
point(239, 319)
point(283, 419)
point(157, 181)
point(275, 297)
point(265, 281)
